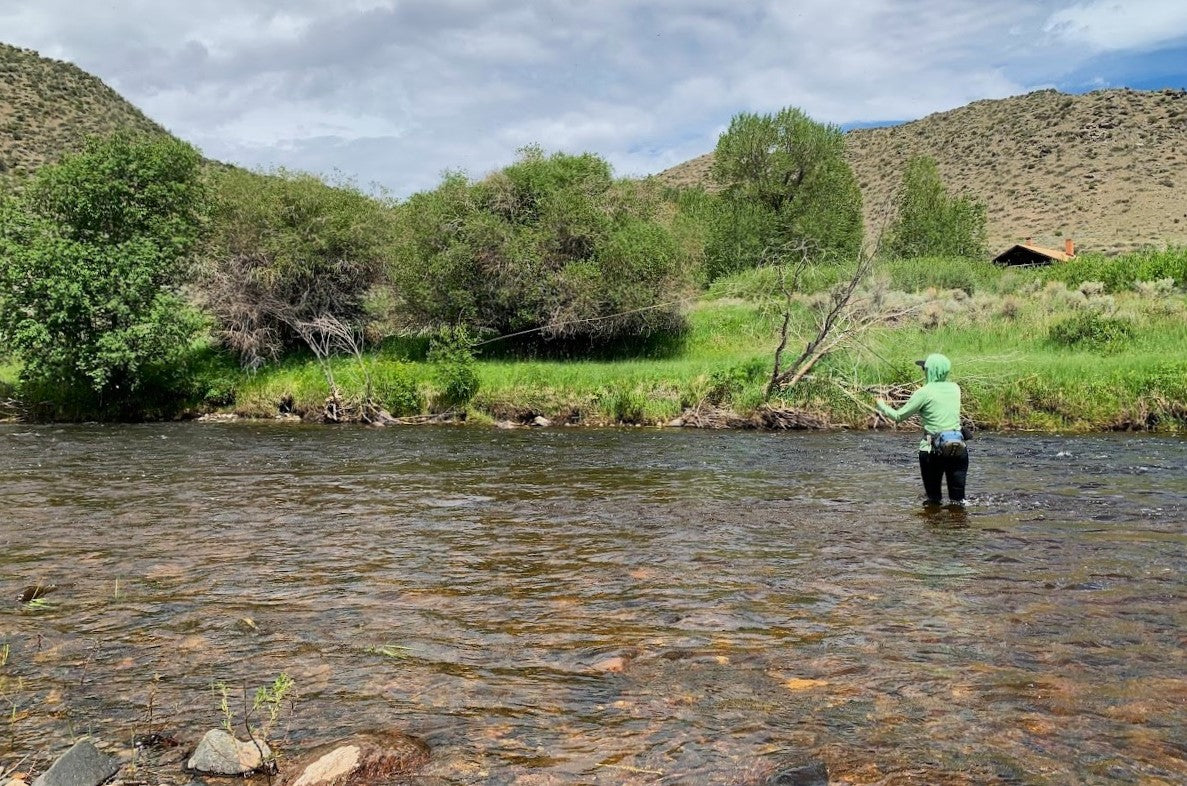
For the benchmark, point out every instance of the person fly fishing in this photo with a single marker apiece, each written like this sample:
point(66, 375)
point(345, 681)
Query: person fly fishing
point(943, 451)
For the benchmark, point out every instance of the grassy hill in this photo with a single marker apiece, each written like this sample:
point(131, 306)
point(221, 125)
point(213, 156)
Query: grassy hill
point(49, 107)
point(1107, 168)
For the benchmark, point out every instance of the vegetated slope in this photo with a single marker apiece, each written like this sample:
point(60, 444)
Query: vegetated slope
point(1107, 168)
point(48, 108)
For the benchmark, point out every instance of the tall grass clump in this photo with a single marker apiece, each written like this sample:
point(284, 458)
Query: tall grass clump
point(1091, 329)
point(963, 273)
point(1121, 273)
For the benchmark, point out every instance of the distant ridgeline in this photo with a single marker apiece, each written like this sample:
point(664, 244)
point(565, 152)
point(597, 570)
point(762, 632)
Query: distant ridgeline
point(1107, 168)
point(49, 107)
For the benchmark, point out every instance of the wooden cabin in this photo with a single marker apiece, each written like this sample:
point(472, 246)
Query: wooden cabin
point(1029, 254)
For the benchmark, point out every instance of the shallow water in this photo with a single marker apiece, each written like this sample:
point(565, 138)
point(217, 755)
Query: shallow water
point(774, 598)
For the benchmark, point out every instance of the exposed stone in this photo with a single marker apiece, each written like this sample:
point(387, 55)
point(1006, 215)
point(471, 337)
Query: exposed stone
point(814, 774)
point(338, 763)
point(541, 421)
point(82, 765)
point(221, 754)
point(614, 665)
point(365, 760)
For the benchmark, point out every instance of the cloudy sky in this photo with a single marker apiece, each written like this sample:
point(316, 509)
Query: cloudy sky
point(395, 92)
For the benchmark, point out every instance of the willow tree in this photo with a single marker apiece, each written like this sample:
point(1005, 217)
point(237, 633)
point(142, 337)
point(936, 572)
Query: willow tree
point(931, 222)
point(785, 183)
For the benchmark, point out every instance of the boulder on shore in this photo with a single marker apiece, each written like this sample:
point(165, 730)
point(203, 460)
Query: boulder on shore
point(82, 765)
point(219, 753)
point(364, 760)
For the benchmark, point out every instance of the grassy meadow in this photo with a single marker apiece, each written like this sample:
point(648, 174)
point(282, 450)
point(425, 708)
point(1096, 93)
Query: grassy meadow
point(1073, 347)
point(1079, 346)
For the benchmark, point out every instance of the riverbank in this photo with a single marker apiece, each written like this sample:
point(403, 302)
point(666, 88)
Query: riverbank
point(1042, 356)
point(1075, 347)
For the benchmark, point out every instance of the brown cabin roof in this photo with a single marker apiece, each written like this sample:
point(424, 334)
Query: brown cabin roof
point(1052, 254)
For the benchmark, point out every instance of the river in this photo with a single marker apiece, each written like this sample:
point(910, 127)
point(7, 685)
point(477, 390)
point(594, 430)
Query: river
point(605, 606)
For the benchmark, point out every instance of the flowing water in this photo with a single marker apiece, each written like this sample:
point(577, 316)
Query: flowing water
point(605, 606)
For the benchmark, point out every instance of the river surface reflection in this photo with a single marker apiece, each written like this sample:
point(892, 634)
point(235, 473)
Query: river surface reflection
point(769, 598)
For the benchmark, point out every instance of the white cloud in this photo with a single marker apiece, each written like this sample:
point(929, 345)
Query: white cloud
point(399, 91)
point(1109, 25)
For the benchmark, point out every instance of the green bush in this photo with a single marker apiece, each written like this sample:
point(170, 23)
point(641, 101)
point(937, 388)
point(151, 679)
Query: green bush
point(763, 283)
point(93, 253)
point(397, 389)
point(727, 384)
point(454, 369)
point(625, 403)
point(551, 244)
point(284, 249)
point(1091, 330)
point(787, 189)
point(739, 237)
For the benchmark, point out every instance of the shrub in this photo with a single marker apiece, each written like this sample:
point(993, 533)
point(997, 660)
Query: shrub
point(550, 244)
point(1155, 289)
point(285, 249)
point(452, 355)
point(966, 274)
point(625, 402)
point(727, 384)
point(1122, 272)
point(396, 389)
point(1090, 329)
point(94, 252)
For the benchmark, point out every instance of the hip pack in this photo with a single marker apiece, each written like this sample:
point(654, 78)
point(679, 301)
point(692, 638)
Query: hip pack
point(949, 443)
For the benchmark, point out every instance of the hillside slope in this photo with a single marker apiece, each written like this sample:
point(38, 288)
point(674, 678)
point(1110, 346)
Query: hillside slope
point(1107, 168)
point(49, 107)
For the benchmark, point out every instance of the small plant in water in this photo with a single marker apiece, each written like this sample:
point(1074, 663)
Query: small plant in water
point(389, 651)
point(224, 705)
point(269, 699)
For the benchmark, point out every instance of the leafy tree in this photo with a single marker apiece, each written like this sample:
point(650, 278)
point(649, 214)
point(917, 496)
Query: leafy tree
point(785, 183)
point(285, 250)
point(932, 223)
point(93, 252)
point(550, 243)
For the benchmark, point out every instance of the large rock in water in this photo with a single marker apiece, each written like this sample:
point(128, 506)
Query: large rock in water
point(814, 774)
point(365, 760)
point(221, 754)
point(82, 765)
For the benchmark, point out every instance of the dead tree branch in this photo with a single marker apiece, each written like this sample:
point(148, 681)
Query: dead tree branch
point(843, 317)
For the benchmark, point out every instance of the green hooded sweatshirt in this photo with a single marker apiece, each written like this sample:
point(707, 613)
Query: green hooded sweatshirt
point(937, 402)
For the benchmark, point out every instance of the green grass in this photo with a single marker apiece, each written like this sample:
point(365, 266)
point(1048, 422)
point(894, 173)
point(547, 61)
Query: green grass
point(1004, 340)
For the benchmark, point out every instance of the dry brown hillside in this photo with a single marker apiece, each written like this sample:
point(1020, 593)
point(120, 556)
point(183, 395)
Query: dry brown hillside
point(48, 107)
point(1107, 168)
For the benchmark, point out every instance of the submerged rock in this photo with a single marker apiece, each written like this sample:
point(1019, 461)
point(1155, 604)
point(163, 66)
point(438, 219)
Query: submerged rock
point(82, 765)
point(612, 665)
point(221, 754)
point(362, 761)
point(35, 592)
point(814, 774)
